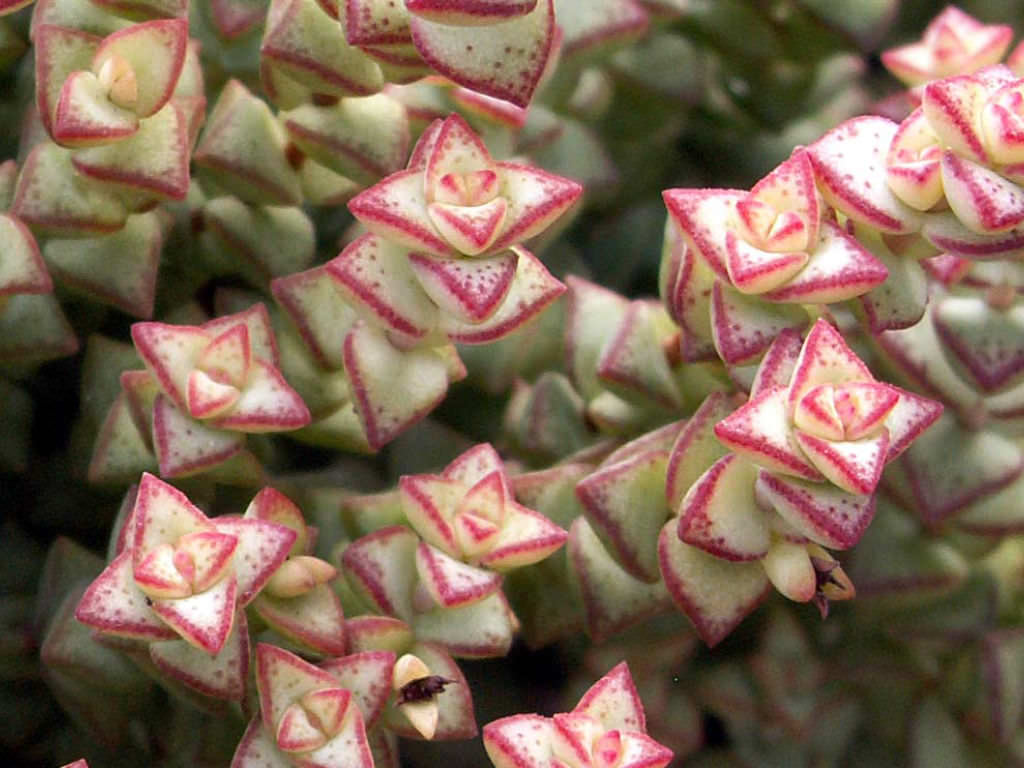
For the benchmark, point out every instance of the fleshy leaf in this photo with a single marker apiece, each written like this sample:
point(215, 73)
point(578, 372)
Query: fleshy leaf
point(22, 269)
point(612, 598)
point(744, 327)
point(310, 48)
point(533, 288)
point(51, 195)
point(715, 594)
point(185, 446)
point(450, 582)
point(363, 139)
point(986, 343)
point(381, 567)
point(84, 116)
point(391, 389)
point(519, 741)
point(376, 277)
point(153, 159)
point(266, 404)
point(368, 675)
point(204, 619)
point(113, 603)
point(625, 506)
point(696, 448)
point(502, 60)
point(720, 513)
point(984, 201)
point(238, 122)
point(59, 51)
point(222, 675)
point(119, 269)
point(536, 198)
point(479, 630)
point(760, 430)
point(262, 547)
point(821, 512)
point(468, 289)
point(849, 163)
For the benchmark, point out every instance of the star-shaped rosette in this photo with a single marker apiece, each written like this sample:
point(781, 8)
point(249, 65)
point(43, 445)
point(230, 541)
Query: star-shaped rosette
point(978, 149)
point(736, 532)
point(314, 717)
point(951, 170)
point(953, 43)
point(469, 513)
point(606, 728)
point(774, 245)
point(784, 247)
point(455, 200)
point(831, 420)
point(93, 90)
point(206, 385)
point(178, 581)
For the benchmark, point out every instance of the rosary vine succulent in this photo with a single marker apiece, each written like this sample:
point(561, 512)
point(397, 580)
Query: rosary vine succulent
point(371, 311)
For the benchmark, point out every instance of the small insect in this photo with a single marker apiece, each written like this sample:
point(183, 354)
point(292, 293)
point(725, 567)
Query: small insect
point(422, 688)
point(149, 601)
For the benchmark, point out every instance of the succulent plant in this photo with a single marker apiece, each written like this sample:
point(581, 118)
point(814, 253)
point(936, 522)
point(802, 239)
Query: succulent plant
point(381, 377)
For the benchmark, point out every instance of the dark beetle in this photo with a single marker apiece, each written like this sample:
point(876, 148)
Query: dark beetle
point(422, 688)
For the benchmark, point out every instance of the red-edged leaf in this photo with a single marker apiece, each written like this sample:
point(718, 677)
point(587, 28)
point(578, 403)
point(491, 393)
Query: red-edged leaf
point(715, 594)
point(482, 60)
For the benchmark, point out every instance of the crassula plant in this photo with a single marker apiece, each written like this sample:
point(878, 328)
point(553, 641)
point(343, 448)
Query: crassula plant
point(534, 383)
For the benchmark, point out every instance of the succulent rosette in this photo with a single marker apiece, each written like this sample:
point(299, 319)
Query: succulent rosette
point(454, 200)
point(829, 420)
point(951, 170)
point(965, 141)
point(468, 512)
point(178, 582)
point(441, 264)
point(953, 43)
point(312, 716)
point(760, 491)
point(606, 728)
point(204, 387)
point(446, 587)
point(129, 76)
point(124, 110)
point(734, 259)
